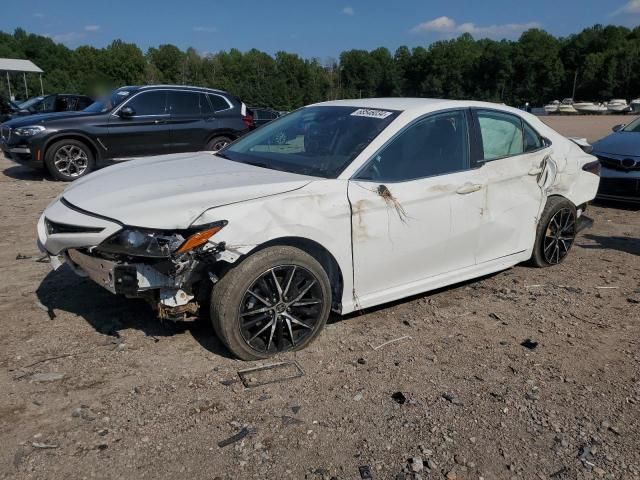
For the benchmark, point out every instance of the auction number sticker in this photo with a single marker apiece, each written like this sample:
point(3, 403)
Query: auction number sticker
point(367, 112)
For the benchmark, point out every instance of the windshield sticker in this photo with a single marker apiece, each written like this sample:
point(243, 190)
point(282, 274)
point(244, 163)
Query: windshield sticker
point(367, 112)
point(124, 93)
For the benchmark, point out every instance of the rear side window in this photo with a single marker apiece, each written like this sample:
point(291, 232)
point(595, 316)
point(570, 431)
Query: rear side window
point(435, 145)
point(83, 102)
point(205, 105)
point(48, 104)
point(218, 103)
point(65, 104)
point(501, 134)
point(532, 140)
point(149, 103)
point(184, 103)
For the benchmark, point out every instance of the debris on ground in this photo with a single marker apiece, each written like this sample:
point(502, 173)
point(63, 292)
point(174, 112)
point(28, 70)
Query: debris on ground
point(43, 445)
point(288, 420)
point(399, 398)
point(46, 377)
point(273, 373)
point(391, 341)
point(451, 398)
point(365, 472)
point(530, 344)
point(246, 431)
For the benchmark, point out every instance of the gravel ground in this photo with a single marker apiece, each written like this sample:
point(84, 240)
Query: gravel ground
point(95, 387)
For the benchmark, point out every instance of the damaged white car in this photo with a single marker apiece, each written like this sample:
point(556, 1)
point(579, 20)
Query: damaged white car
point(337, 206)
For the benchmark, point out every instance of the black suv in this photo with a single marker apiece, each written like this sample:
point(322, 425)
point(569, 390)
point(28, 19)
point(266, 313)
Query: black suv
point(57, 102)
point(130, 122)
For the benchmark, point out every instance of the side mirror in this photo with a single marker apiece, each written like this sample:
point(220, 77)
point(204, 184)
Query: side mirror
point(617, 128)
point(546, 142)
point(126, 112)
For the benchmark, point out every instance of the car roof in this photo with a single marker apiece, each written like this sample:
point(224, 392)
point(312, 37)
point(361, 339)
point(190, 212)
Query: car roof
point(417, 105)
point(179, 87)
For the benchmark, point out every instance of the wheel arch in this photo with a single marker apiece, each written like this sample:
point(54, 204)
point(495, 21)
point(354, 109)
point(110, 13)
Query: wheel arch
point(221, 133)
point(73, 136)
point(560, 195)
point(319, 252)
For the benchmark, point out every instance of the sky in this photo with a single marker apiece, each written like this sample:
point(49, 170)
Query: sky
point(311, 28)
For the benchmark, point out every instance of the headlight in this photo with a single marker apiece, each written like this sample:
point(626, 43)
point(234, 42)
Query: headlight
point(150, 243)
point(29, 131)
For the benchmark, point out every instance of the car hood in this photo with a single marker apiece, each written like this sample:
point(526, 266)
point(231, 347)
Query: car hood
point(25, 120)
point(171, 191)
point(619, 143)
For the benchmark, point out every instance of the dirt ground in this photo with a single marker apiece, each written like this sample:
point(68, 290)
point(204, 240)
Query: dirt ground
point(93, 386)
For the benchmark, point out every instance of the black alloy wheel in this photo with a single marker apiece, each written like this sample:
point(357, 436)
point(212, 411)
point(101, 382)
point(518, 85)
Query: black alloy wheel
point(280, 309)
point(559, 236)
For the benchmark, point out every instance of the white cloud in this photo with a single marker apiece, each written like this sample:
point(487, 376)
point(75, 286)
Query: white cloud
point(631, 7)
point(348, 11)
point(38, 15)
point(449, 26)
point(91, 28)
point(68, 37)
point(202, 29)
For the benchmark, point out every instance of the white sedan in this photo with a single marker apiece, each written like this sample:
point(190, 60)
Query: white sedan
point(337, 206)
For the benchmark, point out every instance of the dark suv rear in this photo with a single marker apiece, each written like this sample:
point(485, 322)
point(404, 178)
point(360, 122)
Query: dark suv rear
point(130, 122)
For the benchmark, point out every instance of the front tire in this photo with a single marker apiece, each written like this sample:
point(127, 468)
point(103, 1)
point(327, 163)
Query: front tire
point(69, 159)
point(276, 300)
point(555, 234)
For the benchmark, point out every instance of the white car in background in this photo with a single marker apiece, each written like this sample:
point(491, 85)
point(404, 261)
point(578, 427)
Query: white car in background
point(337, 206)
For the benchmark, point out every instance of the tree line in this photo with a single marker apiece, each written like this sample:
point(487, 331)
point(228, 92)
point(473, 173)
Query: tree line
point(602, 62)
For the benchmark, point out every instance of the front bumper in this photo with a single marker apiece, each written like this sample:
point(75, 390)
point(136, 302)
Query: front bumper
point(23, 153)
point(619, 185)
point(119, 278)
point(166, 283)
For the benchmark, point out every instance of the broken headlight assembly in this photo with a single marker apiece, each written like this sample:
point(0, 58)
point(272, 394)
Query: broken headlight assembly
point(140, 242)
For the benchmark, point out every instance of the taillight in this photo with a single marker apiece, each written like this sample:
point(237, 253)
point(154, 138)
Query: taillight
point(593, 167)
point(248, 120)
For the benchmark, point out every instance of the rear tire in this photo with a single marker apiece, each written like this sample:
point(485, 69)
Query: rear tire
point(555, 234)
point(69, 159)
point(288, 315)
point(218, 143)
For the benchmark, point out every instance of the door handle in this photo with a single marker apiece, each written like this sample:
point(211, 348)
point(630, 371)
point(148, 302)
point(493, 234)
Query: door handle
point(469, 188)
point(535, 171)
point(158, 122)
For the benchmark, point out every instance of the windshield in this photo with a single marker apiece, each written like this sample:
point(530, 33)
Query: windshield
point(319, 141)
point(27, 105)
point(633, 126)
point(108, 102)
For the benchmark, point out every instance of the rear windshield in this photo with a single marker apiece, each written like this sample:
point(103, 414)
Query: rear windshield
point(319, 141)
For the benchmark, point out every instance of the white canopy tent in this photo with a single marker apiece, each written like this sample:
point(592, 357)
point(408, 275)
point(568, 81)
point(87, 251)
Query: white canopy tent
point(22, 66)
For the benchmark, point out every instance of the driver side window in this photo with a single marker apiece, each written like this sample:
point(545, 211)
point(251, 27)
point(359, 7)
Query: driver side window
point(435, 145)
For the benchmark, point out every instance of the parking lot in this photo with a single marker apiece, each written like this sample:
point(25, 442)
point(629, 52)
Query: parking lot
point(528, 373)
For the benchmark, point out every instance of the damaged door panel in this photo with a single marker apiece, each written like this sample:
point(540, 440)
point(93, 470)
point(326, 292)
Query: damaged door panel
point(415, 230)
point(514, 194)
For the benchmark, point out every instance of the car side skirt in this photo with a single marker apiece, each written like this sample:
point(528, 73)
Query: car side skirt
point(435, 282)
